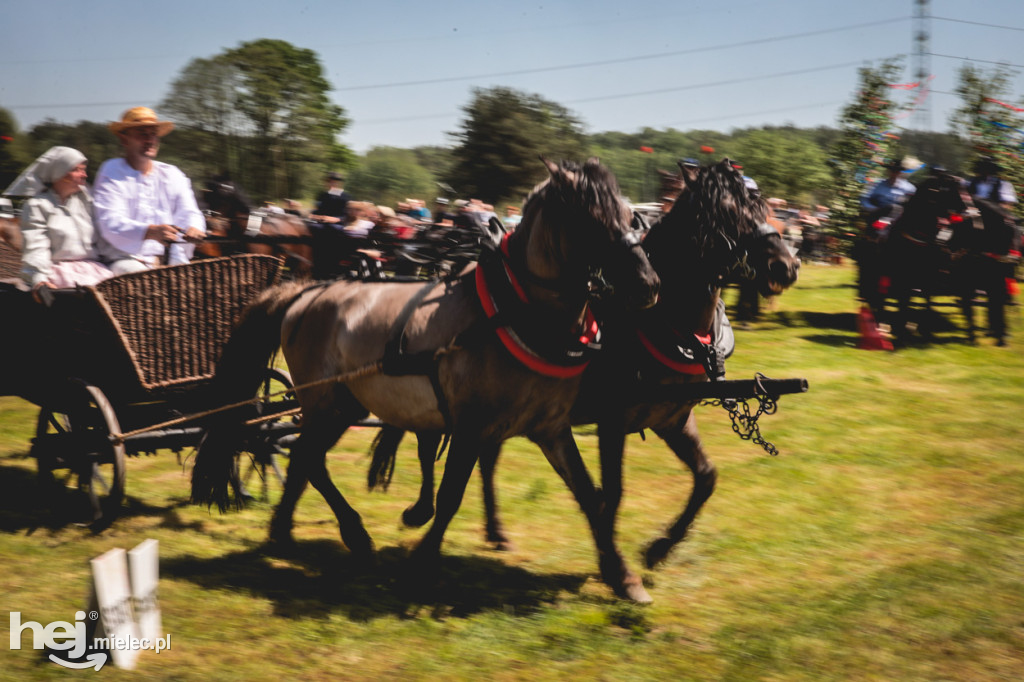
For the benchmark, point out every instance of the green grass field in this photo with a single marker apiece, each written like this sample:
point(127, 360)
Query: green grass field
point(885, 542)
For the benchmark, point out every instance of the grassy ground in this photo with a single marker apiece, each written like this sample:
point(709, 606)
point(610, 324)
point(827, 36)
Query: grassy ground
point(884, 543)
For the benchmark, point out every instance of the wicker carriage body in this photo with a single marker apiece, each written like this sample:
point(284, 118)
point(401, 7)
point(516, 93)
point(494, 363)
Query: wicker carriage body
point(150, 334)
point(10, 263)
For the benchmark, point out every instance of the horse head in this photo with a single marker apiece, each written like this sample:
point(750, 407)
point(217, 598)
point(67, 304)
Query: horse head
point(717, 228)
point(226, 200)
point(577, 230)
point(937, 197)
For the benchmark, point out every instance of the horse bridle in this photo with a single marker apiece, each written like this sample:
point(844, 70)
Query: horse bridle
point(742, 266)
point(597, 286)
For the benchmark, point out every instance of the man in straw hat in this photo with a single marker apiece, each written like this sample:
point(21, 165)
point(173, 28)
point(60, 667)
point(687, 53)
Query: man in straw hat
point(145, 208)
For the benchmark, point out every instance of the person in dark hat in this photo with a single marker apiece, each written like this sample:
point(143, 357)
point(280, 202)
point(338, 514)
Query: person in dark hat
point(879, 201)
point(332, 203)
point(330, 243)
point(986, 184)
point(994, 198)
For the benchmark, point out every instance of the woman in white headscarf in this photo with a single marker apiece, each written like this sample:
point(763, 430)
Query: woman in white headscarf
point(62, 248)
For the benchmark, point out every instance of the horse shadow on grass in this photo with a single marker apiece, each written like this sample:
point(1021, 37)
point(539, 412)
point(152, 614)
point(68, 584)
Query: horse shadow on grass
point(26, 507)
point(320, 578)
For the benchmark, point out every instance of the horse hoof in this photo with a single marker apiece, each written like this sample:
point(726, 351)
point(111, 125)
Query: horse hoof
point(360, 545)
point(656, 552)
point(502, 544)
point(415, 517)
point(633, 589)
point(281, 546)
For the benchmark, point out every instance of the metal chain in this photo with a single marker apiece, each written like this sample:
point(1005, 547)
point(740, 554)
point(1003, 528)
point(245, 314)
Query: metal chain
point(744, 424)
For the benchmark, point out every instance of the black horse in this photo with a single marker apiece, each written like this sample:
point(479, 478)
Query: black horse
point(912, 258)
point(715, 229)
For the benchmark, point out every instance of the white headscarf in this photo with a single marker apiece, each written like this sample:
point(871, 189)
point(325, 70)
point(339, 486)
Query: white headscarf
point(53, 165)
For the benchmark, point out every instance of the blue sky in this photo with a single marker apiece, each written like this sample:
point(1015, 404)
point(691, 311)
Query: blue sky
point(403, 70)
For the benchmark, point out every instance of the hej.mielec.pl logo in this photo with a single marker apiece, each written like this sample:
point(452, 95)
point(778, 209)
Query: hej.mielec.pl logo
point(62, 636)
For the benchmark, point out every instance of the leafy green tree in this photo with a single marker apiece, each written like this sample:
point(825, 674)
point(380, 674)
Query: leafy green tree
point(947, 150)
point(636, 157)
point(864, 144)
point(202, 101)
point(438, 160)
point(14, 156)
point(991, 128)
point(387, 175)
point(500, 138)
point(785, 164)
point(92, 139)
point(261, 112)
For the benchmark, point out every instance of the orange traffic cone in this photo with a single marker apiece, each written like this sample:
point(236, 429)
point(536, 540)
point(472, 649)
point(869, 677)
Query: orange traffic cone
point(870, 336)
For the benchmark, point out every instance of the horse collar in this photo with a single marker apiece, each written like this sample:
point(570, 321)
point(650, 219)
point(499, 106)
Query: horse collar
point(509, 309)
point(689, 352)
point(674, 356)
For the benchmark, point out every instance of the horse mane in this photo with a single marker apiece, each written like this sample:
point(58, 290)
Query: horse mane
point(714, 211)
point(573, 187)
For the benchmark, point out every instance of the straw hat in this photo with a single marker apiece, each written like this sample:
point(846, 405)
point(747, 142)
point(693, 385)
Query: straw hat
point(139, 117)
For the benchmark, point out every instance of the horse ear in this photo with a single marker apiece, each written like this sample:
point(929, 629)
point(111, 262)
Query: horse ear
point(552, 167)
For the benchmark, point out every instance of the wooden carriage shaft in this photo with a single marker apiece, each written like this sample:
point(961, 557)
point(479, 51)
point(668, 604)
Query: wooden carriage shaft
point(366, 370)
point(738, 389)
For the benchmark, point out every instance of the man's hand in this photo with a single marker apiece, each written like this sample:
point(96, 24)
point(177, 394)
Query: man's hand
point(165, 234)
point(324, 218)
point(194, 235)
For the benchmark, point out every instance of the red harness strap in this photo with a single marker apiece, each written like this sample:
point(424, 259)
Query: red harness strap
point(511, 340)
point(683, 366)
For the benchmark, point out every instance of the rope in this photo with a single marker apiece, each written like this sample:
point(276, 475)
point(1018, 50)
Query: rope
point(365, 370)
point(272, 417)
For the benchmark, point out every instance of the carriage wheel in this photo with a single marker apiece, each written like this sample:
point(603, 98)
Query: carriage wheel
point(260, 460)
point(77, 443)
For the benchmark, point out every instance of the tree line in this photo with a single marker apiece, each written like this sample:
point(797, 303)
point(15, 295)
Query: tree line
point(260, 113)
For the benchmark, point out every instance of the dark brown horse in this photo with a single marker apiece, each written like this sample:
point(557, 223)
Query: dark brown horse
point(229, 213)
point(715, 229)
point(911, 256)
point(480, 364)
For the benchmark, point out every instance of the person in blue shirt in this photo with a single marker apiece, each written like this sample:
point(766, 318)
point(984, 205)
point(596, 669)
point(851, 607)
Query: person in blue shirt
point(886, 193)
point(878, 203)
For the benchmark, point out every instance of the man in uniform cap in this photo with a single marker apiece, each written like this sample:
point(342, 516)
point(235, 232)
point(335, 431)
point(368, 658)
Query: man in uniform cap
point(332, 203)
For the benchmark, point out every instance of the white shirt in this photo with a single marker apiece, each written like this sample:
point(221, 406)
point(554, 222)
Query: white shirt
point(127, 202)
point(984, 188)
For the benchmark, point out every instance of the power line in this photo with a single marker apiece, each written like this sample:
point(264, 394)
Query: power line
point(982, 61)
point(978, 23)
point(622, 60)
point(69, 106)
point(754, 113)
point(733, 81)
point(692, 86)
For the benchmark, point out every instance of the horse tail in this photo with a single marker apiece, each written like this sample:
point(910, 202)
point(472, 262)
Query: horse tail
point(384, 452)
point(238, 376)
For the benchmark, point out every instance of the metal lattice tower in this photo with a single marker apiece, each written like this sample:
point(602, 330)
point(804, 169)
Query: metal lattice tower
point(922, 116)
